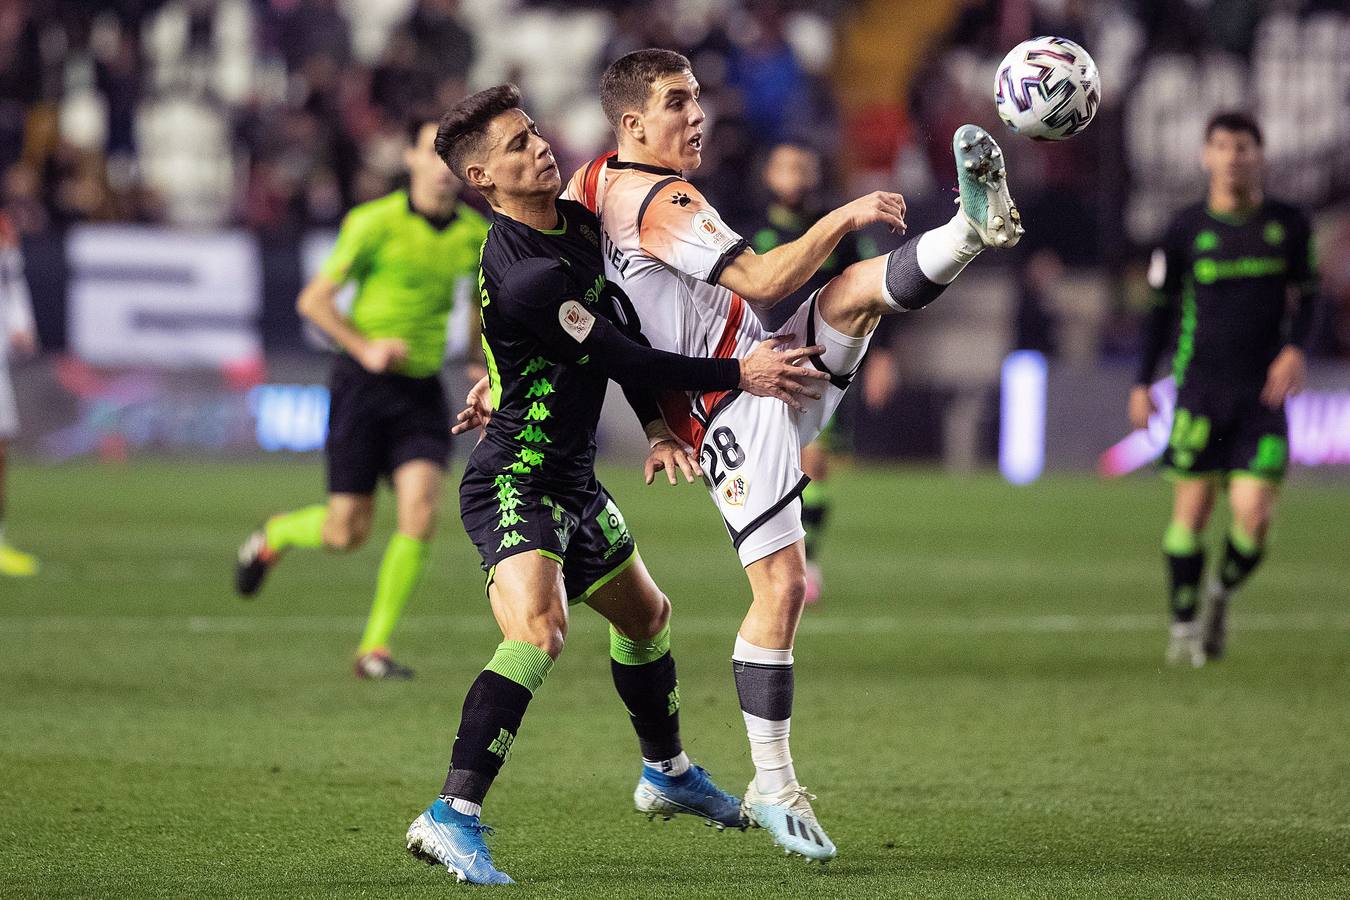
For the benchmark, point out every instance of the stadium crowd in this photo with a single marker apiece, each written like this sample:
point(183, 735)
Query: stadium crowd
point(279, 115)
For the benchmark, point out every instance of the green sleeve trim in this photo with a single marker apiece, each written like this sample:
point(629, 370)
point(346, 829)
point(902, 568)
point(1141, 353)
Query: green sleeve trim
point(523, 663)
point(609, 576)
point(628, 652)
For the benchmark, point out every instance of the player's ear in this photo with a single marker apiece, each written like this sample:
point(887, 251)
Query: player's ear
point(477, 177)
point(631, 124)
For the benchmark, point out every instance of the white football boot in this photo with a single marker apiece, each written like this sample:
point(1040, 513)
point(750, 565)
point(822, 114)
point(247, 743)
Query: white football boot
point(790, 820)
point(1184, 645)
point(983, 182)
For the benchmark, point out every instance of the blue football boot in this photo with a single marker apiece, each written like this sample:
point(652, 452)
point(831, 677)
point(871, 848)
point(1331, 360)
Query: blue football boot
point(693, 793)
point(442, 835)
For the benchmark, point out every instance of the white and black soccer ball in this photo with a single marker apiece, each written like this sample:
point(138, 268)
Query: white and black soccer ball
point(1047, 89)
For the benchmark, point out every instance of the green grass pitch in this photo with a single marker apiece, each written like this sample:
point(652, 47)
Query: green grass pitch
point(981, 705)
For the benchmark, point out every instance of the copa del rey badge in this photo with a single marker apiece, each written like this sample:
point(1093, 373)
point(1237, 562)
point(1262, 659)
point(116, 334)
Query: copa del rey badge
point(735, 489)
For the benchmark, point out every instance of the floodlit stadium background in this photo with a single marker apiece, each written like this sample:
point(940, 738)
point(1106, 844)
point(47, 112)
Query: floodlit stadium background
point(177, 170)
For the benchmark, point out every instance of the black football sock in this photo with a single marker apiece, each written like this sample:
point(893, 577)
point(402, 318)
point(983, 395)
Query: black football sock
point(1185, 565)
point(644, 676)
point(491, 718)
point(1241, 558)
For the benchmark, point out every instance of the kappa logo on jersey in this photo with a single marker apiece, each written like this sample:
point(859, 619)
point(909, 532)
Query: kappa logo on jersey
point(734, 491)
point(575, 320)
point(712, 232)
point(680, 199)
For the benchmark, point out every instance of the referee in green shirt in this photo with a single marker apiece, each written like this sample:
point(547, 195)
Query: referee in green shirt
point(388, 414)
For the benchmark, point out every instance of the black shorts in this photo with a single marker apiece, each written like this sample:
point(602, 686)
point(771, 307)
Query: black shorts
point(1226, 430)
point(376, 423)
point(582, 529)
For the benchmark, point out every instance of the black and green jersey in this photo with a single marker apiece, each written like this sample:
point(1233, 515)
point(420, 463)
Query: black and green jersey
point(406, 267)
point(1230, 280)
point(554, 331)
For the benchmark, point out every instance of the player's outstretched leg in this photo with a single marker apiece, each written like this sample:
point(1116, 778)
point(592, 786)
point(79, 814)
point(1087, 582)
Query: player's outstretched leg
point(916, 273)
point(644, 677)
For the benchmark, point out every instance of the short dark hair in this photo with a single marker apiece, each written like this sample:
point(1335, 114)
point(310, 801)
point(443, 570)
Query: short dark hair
point(628, 80)
point(1233, 120)
point(463, 128)
point(413, 125)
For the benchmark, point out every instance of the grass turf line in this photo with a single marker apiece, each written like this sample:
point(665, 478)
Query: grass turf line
point(1012, 761)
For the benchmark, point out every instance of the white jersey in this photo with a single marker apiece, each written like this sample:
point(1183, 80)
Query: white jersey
point(666, 246)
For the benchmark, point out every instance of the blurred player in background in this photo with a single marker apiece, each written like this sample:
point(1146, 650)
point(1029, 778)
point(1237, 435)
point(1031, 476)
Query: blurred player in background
point(792, 175)
point(17, 333)
point(388, 415)
point(549, 534)
point(1238, 270)
point(691, 278)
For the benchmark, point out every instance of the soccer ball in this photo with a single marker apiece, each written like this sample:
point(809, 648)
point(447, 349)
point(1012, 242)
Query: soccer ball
point(1047, 89)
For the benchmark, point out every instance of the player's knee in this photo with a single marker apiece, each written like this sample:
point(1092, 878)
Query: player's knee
point(347, 533)
point(547, 632)
point(419, 521)
point(656, 617)
point(789, 593)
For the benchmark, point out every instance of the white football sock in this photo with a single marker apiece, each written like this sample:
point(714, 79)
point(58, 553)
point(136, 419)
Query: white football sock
point(945, 251)
point(769, 748)
point(676, 766)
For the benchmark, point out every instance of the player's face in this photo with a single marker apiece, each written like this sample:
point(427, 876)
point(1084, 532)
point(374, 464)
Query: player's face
point(425, 169)
point(792, 173)
point(673, 122)
point(1233, 160)
point(519, 161)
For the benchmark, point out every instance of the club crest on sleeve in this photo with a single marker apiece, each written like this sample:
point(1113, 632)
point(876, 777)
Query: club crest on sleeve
point(576, 320)
point(735, 489)
point(712, 232)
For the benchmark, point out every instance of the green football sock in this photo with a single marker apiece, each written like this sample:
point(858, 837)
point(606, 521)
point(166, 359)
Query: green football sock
point(301, 528)
point(402, 566)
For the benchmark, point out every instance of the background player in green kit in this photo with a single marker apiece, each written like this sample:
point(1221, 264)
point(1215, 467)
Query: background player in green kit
point(792, 175)
point(1232, 268)
point(388, 414)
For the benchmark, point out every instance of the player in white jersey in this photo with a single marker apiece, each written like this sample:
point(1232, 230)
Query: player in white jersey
point(697, 287)
point(16, 331)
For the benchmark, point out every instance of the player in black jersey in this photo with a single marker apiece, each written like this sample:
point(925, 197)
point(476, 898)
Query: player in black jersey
point(792, 175)
point(554, 331)
point(1238, 270)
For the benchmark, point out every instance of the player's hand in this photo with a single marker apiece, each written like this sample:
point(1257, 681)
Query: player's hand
point(381, 355)
point(769, 372)
point(667, 456)
point(477, 411)
point(1285, 377)
point(1142, 406)
point(878, 206)
point(24, 343)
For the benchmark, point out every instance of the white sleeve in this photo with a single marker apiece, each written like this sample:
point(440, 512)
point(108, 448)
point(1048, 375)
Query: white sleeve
point(17, 302)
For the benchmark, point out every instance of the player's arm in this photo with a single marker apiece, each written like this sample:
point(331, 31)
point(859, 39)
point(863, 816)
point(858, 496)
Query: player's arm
point(20, 328)
point(350, 260)
point(1288, 372)
point(763, 280)
point(318, 304)
point(1164, 277)
point(541, 302)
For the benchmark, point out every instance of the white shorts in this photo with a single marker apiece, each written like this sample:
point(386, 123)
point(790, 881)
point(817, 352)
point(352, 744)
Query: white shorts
point(9, 414)
point(752, 446)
